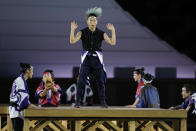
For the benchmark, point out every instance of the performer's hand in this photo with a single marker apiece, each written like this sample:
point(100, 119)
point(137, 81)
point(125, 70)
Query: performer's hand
point(171, 108)
point(48, 86)
point(110, 26)
point(130, 106)
point(74, 25)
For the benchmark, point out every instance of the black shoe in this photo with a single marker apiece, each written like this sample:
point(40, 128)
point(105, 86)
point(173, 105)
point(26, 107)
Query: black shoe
point(104, 104)
point(77, 105)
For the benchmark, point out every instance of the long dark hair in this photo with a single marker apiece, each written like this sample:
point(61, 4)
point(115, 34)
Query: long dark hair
point(189, 88)
point(24, 67)
point(139, 71)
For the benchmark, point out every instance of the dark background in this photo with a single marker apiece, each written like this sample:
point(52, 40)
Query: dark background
point(172, 20)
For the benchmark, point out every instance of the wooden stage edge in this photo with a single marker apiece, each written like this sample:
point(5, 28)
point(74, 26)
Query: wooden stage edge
point(105, 112)
point(106, 119)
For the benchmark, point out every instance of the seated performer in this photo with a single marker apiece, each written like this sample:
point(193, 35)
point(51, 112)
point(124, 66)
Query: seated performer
point(149, 96)
point(189, 96)
point(138, 77)
point(19, 97)
point(48, 92)
point(87, 95)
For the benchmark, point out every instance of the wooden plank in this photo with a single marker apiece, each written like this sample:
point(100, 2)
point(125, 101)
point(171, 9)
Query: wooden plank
point(9, 124)
point(175, 125)
point(131, 126)
point(40, 125)
point(96, 125)
point(26, 124)
point(3, 110)
point(64, 123)
point(4, 128)
point(100, 112)
point(166, 126)
point(149, 126)
point(51, 125)
point(113, 125)
point(103, 128)
point(183, 125)
point(58, 124)
point(77, 125)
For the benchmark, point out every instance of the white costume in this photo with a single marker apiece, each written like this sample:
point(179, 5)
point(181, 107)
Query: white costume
point(19, 97)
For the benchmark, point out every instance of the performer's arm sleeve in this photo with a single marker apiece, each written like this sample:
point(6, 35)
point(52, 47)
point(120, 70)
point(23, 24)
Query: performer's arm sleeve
point(23, 96)
point(73, 38)
point(38, 91)
point(58, 88)
point(69, 93)
point(141, 97)
point(178, 107)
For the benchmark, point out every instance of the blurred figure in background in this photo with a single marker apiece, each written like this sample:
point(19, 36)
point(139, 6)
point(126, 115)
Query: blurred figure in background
point(87, 94)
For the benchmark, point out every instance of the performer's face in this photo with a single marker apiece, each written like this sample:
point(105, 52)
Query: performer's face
point(46, 76)
point(136, 76)
point(30, 73)
point(185, 94)
point(92, 22)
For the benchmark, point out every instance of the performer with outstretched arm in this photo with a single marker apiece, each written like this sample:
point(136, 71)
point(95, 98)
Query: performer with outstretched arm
point(92, 56)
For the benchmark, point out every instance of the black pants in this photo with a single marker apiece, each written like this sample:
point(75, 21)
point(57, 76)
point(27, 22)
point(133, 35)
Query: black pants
point(17, 124)
point(91, 65)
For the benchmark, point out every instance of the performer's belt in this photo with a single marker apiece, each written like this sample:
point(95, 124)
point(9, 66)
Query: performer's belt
point(13, 104)
point(92, 54)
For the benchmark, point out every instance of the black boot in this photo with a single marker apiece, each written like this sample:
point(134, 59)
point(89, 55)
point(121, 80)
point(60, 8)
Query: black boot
point(104, 104)
point(77, 105)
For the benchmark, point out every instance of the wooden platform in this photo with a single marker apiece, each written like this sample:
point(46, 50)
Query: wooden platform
point(110, 119)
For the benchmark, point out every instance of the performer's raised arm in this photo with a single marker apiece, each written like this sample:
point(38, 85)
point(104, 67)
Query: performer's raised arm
point(73, 38)
point(111, 41)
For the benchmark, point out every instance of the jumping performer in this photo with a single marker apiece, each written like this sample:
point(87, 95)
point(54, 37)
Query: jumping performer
point(92, 56)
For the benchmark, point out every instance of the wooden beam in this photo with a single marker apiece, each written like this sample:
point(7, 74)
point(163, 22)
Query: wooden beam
point(149, 126)
point(141, 124)
point(51, 125)
point(32, 123)
point(78, 125)
point(9, 124)
point(183, 124)
point(26, 124)
point(4, 128)
point(175, 125)
point(92, 128)
point(113, 125)
point(101, 112)
point(131, 125)
point(40, 126)
point(166, 126)
point(64, 123)
point(89, 124)
point(59, 125)
point(103, 128)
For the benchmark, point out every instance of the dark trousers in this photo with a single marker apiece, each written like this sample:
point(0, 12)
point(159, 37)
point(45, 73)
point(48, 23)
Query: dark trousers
point(17, 124)
point(91, 65)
